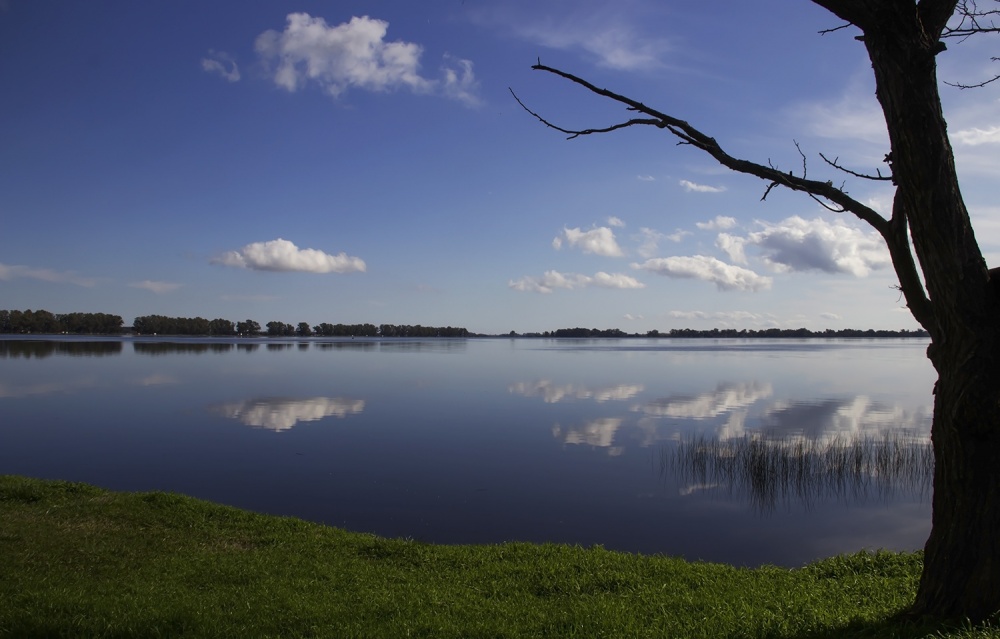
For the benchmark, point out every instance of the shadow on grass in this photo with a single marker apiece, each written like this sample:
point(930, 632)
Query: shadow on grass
point(901, 626)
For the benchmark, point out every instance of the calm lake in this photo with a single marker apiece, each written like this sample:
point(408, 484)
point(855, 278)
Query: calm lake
point(485, 440)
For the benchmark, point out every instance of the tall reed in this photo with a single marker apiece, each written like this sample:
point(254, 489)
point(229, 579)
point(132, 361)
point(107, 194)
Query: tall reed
point(772, 470)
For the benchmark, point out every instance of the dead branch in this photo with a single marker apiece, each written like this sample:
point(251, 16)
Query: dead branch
point(877, 177)
point(833, 198)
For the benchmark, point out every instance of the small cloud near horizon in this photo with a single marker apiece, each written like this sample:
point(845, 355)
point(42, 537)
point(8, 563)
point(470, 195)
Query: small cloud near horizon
point(280, 255)
point(15, 271)
point(552, 280)
point(155, 287)
point(692, 187)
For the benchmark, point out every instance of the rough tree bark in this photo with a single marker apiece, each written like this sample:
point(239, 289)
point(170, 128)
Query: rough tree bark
point(955, 302)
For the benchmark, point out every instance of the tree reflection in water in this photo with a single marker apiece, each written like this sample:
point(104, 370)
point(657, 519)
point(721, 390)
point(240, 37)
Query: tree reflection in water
point(771, 470)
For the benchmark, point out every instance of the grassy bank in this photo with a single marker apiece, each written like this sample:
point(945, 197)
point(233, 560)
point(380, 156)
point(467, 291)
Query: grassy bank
point(78, 561)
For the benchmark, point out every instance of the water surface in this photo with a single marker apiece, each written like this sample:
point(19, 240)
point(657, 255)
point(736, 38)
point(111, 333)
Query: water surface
point(480, 440)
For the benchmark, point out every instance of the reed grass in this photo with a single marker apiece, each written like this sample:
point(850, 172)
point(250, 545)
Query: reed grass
point(773, 470)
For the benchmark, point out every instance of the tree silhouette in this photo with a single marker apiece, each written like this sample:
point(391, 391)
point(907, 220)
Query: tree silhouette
point(942, 275)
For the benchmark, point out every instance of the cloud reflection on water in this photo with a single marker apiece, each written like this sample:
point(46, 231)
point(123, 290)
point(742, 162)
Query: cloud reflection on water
point(283, 414)
point(597, 432)
point(724, 399)
point(553, 393)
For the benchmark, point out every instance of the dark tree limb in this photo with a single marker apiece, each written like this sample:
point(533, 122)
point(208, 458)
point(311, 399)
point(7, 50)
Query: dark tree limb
point(877, 177)
point(830, 196)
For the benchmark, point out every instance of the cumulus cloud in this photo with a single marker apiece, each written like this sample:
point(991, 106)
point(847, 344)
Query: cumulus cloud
point(552, 280)
point(645, 178)
point(977, 136)
point(726, 277)
point(615, 221)
point(599, 241)
point(222, 64)
point(16, 271)
point(155, 287)
point(720, 222)
point(796, 244)
point(282, 255)
point(355, 54)
point(732, 246)
point(700, 188)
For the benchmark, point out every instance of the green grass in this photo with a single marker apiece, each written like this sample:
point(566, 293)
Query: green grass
point(78, 561)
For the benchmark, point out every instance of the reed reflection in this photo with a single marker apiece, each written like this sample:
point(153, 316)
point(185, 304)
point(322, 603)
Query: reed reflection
point(280, 414)
point(769, 470)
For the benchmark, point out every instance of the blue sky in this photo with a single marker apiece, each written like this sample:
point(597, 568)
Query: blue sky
point(365, 162)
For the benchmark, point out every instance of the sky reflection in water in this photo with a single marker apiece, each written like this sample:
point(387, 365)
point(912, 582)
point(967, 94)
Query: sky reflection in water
point(461, 441)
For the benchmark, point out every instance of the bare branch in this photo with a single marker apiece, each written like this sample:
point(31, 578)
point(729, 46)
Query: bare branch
point(972, 21)
point(846, 25)
point(573, 133)
point(959, 85)
point(878, 174)
point(824, 192)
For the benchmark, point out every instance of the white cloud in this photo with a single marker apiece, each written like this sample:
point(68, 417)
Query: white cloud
point(614, 44)
point(721, 222)
point(221, 63)
point(615, 221)
point(830, 316)
point(796, 244)
point(552, 280)
point(732, 246)
point(650, 241)
point(700, 188)
point(459, 81)
point(855, 116)
point(726, 277)
point(155, 287)
point(725, 318)
point(355, 54)
point(976, 136)
point(645, 178)
point(282, 255)
point(15, 271)
point(631, 318)
point(599, 241)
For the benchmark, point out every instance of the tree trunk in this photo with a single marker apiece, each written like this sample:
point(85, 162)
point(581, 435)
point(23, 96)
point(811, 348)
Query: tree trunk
point(961, 576)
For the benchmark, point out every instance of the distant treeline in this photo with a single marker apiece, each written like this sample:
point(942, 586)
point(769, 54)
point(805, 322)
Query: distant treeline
point(728, 332)
point(45, 322)
point(161, 325)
